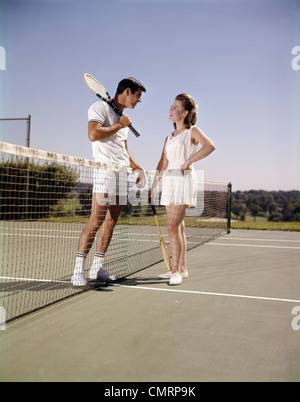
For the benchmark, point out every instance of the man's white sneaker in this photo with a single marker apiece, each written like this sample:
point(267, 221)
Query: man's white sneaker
point(93, 272)
point(101, 274)
point(175, 279)
point(79, 280)
point(168, 275)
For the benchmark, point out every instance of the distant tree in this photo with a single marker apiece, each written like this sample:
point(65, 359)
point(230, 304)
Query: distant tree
point(239, 210)
point(287, 211)
point(276, 205)
point(254, 210)
point(275, 217)
point(272, 207)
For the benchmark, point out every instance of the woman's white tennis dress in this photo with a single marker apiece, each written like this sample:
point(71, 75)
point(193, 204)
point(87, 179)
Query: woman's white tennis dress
point(179, 188)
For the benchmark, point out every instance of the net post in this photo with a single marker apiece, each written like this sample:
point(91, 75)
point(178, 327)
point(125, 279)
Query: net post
point(28, 131)
point(27, 161)
point(229, 198)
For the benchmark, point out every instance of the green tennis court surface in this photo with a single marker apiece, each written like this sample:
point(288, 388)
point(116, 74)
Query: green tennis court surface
point(233, 320)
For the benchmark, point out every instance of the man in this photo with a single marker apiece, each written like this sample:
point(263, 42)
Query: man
point(108, 133)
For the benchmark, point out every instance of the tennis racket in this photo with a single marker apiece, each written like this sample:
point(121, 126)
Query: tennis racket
point(163, 245)
point(101, 92)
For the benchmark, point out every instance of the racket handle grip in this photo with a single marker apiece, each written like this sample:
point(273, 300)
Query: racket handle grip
point(153, 209)
point(134, 131)
point(116, 109)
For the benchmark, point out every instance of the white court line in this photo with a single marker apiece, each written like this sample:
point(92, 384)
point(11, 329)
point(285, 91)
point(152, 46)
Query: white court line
point(74, 237)
point(155, 240)
point(206, 293)
point(77, 237)
point(254, 239)
point(162, 290)
point(249, 245)
point(12, 278)
point(45, 231)
point(48, 236)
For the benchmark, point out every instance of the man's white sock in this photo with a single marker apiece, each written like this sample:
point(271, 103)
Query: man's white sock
point(79, 263)
point(98, 260)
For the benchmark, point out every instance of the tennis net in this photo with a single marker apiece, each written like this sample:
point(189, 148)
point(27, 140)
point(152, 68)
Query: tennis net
point(46, 201)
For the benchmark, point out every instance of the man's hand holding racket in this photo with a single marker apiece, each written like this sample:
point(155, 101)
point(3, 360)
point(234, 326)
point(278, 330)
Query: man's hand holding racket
point(125, 121)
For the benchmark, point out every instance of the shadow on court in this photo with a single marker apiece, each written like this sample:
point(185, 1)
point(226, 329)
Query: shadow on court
point(232, 320)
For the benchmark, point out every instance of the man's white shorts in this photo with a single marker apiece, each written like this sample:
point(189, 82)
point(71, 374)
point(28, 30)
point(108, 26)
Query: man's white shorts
point(110, 182)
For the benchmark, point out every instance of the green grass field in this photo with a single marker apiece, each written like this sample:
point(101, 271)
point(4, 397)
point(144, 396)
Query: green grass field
point(265, 225)
point(262, 223)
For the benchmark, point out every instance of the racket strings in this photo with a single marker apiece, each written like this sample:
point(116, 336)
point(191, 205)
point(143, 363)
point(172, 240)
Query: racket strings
point(96, 87)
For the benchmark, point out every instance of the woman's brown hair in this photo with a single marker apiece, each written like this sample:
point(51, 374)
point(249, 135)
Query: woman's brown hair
point(189, 105)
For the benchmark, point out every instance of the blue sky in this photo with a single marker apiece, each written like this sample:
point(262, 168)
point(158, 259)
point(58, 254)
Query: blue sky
point(233, 56)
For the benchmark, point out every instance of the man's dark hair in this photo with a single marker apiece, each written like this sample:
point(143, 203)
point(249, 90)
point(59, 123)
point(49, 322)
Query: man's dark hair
point(130, 83)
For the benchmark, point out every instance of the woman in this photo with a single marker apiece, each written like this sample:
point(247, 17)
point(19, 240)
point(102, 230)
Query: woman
point(179, 179)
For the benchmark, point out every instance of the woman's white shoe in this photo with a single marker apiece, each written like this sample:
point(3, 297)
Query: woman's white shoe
point(175, 279)
point(168, 275)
